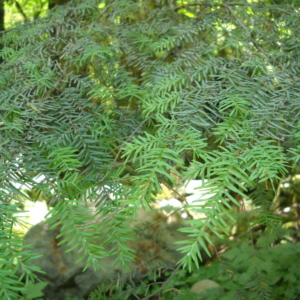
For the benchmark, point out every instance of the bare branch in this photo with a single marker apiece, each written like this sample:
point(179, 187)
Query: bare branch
point(165, 283)
point(20, 10)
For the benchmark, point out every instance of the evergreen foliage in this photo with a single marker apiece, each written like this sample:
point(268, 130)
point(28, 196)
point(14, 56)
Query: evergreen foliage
point(134, 94)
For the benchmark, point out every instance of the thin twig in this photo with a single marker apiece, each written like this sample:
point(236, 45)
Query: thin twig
point(119, 152)
point(165, 283)
point(275, 7)
point(109, 216)
point(242, 25)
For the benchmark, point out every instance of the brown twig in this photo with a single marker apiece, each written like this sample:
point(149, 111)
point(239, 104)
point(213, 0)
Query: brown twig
point(119, 152)
point(165, 283)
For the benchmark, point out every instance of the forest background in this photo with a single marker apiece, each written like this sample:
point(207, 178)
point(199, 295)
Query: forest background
point(139, 96)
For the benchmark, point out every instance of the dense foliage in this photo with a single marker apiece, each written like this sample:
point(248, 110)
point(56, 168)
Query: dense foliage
point(272, 274)
point(108, 101)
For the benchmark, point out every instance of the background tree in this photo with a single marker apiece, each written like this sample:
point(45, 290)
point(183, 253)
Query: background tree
point(134, 94)
point(2, 11)
point(53, 3)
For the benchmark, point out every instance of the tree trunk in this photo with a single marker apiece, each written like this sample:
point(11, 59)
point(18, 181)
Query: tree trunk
point(2, 25)
point(2, 13)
